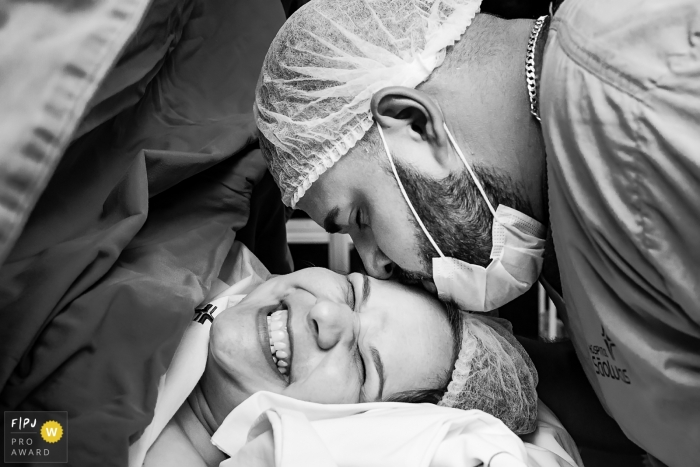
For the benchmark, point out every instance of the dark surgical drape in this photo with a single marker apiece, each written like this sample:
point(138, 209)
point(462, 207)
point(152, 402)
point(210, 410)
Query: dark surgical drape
point(141, 208)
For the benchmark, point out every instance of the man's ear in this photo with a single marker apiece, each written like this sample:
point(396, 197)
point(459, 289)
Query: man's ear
point(399, 106)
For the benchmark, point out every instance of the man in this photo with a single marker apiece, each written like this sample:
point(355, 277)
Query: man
point(415, 127)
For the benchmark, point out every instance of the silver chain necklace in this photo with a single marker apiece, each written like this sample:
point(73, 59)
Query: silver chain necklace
point(530, 74)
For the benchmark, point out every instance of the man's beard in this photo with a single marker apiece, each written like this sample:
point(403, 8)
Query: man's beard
point(456, 215)
point(409, 277)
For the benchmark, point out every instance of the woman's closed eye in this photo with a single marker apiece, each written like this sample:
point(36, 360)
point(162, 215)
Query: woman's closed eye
point(350, 295)
point(361, 368)
point(357, 353)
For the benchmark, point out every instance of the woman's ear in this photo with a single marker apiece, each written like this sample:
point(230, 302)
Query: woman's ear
point(397, 107)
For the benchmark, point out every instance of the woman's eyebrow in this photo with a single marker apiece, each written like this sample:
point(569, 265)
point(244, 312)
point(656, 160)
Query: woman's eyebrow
point(376, 357)
point(366, 290)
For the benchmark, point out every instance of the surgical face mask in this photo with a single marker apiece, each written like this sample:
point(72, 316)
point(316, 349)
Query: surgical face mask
point(516, 254)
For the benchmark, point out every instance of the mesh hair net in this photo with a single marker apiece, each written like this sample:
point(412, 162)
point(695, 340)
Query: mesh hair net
point(493, 373)
point(330, 57)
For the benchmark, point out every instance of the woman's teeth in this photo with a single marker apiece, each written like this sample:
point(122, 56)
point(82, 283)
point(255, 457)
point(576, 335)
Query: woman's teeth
point(279, 340)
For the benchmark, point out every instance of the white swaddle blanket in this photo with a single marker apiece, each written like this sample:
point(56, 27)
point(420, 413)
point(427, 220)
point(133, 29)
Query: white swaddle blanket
point(273, 430)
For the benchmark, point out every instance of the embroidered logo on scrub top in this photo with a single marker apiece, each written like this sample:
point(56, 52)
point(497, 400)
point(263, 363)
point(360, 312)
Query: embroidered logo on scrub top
point(608, 343)
point(204, 314)
point(604, 367)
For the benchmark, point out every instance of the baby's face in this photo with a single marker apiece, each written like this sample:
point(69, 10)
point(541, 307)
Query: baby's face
point(342, 339)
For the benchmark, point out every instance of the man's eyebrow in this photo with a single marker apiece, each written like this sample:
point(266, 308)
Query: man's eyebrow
point(365, 288)
point(329, 222)
point(379, 365)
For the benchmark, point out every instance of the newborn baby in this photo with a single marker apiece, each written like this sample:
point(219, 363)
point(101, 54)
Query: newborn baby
point(322, 337)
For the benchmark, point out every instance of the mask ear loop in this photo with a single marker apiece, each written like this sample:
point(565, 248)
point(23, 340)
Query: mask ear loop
point(403, 192)
point(471, 172)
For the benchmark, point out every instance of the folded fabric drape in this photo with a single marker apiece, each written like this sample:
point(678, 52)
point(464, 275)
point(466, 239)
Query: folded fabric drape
point(134, 224)
point(53, 57)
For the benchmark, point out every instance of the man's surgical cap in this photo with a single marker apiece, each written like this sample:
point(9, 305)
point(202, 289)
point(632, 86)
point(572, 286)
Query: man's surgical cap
point(494, 374)
point(312, 103)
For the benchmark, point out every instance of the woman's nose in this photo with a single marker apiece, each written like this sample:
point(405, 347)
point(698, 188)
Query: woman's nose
point(331, 322)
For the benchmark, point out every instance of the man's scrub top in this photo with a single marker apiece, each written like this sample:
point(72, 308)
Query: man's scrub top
point(620, 107)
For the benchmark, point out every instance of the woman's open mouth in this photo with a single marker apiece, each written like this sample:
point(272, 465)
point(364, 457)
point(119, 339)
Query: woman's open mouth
point(280, 347)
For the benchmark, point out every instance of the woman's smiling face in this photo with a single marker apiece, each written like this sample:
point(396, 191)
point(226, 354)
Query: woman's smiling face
point(349, 339)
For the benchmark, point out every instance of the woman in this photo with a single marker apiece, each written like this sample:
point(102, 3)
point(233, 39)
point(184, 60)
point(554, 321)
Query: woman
point(322, 337)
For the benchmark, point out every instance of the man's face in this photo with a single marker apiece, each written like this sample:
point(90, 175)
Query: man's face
point(357, 196)
point(349, 339)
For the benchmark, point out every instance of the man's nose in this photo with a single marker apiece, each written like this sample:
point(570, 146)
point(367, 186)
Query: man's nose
point(377, 264)
point(331, 322)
